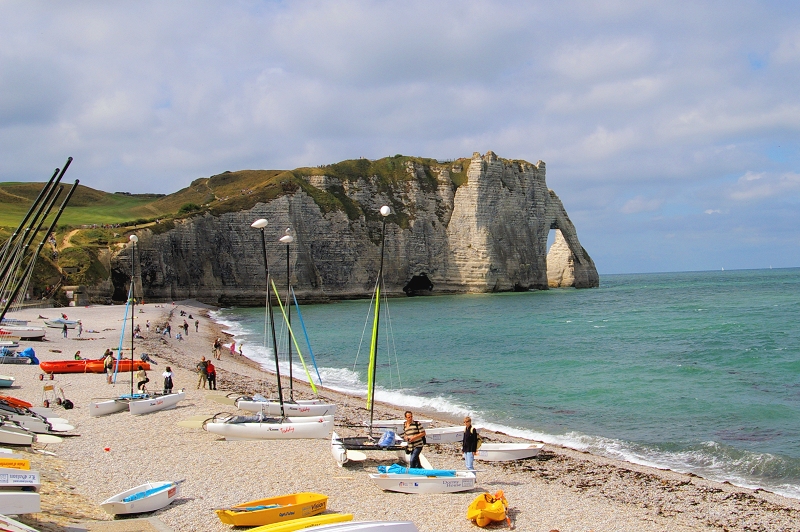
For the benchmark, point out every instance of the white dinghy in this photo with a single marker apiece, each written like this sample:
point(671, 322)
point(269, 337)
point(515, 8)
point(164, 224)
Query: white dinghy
point(148, 497)
point(264, 428)
point(505, 452)
point(423, 480)
point(156, 403)
point(444, 434)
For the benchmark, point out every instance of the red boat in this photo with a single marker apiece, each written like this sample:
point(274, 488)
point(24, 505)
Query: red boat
point(89, 366)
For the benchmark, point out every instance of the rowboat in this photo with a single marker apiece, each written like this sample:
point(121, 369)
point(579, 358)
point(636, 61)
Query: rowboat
point(147, 497)
point(123, 365)
point(311, 408)
point(504, 452)
point(424, 480)
point(156, 403)
point(261, 428)
point(6, 381)
point(315, 522)
point(274, 509)
point(103, 407)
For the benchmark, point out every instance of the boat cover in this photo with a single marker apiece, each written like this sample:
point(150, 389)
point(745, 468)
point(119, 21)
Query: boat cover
point(401, 470)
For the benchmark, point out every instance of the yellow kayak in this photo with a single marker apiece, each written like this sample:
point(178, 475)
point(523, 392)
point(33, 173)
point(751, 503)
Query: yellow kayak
point(486, 509)
point(304, 522)
point(274, 509)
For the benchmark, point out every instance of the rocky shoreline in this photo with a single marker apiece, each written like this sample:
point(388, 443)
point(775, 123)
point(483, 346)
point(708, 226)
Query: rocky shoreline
point(562, 489)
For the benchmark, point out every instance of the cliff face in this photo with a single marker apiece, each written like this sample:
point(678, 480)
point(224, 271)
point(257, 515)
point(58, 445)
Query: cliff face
point(489, 234)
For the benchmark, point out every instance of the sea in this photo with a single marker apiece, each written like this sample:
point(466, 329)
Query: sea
point(692, 371)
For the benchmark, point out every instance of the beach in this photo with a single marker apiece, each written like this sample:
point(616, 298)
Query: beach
point(561, 489)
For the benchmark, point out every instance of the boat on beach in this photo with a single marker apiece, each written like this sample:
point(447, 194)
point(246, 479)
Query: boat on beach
point(90, 366)
point(22, 332)
point(155, 403)
point(412, 480)
point(315, 522)
point(103, 407)
point(59, 323)
point(265, 428)
point(148, 497)
point(506, 452)
point(310, 407)
point(274, 509)
point(354, 526)
point(6, 381)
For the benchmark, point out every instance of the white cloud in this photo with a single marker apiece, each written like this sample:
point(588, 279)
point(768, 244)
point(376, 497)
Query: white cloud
point(759, 186)
point(640, 204)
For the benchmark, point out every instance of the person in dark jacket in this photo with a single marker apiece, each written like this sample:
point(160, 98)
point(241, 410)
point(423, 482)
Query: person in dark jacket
point(469, 445)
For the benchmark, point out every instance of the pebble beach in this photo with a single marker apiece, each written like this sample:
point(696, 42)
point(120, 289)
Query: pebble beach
point(561, 489)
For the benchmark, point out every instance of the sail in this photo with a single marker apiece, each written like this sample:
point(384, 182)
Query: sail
point(373, 348)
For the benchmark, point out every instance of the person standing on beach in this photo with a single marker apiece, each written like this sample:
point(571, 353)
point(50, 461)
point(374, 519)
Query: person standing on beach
point(413, 433)
point(196, 325)
point(168, 330)
point(233, 348)
point(185, 328)
point(147, 326)
point(202, 369)
point(167, 380)
point(108, 364)
point(217, 348)
point(469, 445)
point(211, 373)
point(240, 349)
point(64, 330)
point(80, 328)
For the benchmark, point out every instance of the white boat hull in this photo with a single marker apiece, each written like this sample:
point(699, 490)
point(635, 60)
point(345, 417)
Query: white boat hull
point(397, 424)
point(368, 526)
point(317, 429)
point(20, 502)
point(404, 483)
point(154, 404)
point(103, 407)
point(12, 435)
point(117, 505)
point(444, 435)
point(25, 333)
point(298, 409)
point(505, 452)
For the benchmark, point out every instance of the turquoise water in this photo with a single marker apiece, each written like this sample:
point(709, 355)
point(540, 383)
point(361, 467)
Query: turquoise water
point(695, 371)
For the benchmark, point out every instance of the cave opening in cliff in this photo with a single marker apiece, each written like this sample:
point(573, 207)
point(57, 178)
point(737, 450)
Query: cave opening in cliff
point(121, 281)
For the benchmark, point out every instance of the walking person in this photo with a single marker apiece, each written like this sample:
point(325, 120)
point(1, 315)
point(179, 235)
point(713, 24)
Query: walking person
point(469, 445)
point(64, 330)
point(211, 373)
point(80, 328)
point(185, 328)
point(202, 369)
point(414, 434)
point(168, 330)
point(167, 380)
point(147, 326)
point(233, 348)
point(196, 325)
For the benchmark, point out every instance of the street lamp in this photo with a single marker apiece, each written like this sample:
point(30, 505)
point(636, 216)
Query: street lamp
point(134, 239)
point(287, 239)
point(260, 224)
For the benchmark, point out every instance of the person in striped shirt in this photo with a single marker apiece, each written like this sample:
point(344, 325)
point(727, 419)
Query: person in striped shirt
point(413, 433)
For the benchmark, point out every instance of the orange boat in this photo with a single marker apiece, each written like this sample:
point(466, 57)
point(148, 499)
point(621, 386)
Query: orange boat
point(89, 366)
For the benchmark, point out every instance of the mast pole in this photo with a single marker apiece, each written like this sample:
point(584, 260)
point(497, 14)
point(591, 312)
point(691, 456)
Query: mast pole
point(261, 224)
point(385, 211)
point(288, 239)
point(134, 239)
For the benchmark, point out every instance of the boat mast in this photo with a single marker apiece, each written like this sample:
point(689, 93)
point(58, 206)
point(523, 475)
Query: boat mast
point(261, 223)
point(288, 239)
point(373, 351)
point(134, 239)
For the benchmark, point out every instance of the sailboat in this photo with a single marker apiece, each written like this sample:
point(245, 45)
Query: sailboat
point(262, 427)
point(303, 407)
point(351, 448)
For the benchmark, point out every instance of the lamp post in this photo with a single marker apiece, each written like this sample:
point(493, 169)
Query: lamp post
point(134, 239)
point(287, 239)
point(260, 224)
point(385, 211)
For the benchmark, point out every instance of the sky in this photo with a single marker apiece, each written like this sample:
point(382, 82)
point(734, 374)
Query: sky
point(670, 129)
